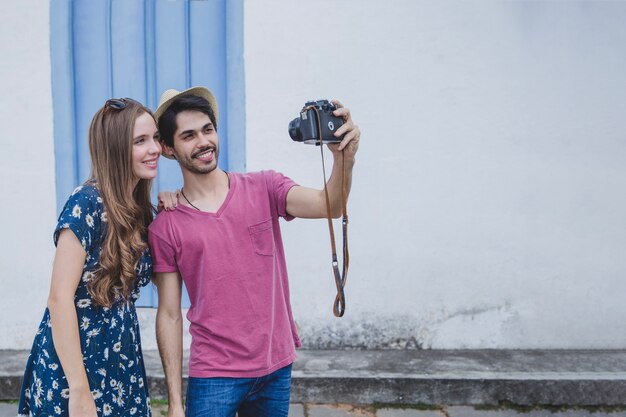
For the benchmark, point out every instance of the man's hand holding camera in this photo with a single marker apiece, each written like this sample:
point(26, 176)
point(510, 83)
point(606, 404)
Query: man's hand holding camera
point(332, 123)
point(350, 132)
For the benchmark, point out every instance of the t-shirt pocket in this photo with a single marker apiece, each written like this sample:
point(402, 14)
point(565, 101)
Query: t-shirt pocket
point(262, 236)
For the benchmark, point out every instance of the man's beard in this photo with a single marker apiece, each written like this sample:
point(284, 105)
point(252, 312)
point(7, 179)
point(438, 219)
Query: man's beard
point(188, 162)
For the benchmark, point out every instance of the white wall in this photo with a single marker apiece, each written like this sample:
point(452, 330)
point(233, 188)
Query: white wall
point(27, 184)
point(488, 206)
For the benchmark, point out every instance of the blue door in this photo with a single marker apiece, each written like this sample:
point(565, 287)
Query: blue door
point(139, 48)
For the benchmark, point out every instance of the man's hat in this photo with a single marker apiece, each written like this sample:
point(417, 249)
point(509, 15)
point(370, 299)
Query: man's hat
point(168, 97)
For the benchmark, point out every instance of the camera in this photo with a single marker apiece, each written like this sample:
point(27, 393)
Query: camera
point(304, 128)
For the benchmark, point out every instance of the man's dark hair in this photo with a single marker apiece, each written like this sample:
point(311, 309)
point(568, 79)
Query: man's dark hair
point(167, 121)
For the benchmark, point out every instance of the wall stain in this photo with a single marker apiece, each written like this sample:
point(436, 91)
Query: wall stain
point(393, 332)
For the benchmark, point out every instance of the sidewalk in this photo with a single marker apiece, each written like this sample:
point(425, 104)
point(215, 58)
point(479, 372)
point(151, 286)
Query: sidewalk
point(396, 383)
point(469, 377)
point(346, 410)
point(311, 410)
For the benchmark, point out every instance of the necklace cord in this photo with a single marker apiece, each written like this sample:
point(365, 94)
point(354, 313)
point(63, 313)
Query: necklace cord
point(186, 199)
point(182, 192)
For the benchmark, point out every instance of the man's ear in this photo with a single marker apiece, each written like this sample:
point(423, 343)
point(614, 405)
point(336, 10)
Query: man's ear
point(167, 151)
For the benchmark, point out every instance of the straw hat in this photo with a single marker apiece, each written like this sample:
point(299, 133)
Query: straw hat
point(170, 95)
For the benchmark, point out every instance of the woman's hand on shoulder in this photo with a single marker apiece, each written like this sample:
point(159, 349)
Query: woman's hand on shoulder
point(168, 200)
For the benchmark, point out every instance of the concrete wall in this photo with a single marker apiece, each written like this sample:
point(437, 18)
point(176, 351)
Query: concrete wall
point(487, 208)
point(28, 211)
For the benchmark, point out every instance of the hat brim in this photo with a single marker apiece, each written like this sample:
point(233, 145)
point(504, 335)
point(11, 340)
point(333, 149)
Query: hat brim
point(168, 97)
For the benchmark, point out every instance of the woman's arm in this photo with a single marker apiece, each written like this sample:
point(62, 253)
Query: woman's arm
point(66, 274)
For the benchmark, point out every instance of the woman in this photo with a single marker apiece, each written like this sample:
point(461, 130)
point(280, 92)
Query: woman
point(86, 360)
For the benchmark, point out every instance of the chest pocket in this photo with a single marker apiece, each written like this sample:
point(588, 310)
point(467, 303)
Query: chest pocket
point(262, 236)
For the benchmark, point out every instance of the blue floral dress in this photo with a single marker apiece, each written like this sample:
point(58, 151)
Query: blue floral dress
point(109, 337)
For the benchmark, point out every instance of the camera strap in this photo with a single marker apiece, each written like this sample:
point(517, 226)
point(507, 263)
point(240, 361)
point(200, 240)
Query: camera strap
point(339, 305)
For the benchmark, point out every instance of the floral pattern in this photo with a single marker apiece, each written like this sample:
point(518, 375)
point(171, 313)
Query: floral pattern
point(109, 337)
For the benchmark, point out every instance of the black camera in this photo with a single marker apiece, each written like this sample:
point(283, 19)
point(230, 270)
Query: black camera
point(304, 128)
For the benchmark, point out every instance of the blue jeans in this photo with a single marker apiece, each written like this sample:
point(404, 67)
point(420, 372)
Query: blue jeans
point(266, 396)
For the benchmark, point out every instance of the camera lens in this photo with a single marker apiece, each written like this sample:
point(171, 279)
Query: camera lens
point(294, 130)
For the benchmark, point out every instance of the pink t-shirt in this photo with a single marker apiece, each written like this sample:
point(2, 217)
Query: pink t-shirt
point(233, 265)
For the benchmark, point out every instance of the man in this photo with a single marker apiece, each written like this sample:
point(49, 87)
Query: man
point(224, 241)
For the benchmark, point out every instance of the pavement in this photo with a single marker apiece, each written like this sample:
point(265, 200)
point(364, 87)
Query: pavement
point(347, 410)
point(424, 383)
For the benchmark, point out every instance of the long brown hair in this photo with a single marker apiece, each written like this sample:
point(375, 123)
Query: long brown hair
point(128, 209)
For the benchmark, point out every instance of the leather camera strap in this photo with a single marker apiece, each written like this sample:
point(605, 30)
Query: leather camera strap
point(339, 305)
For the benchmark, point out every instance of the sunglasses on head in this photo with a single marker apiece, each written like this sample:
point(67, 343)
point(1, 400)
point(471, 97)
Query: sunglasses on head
point(119, 103)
